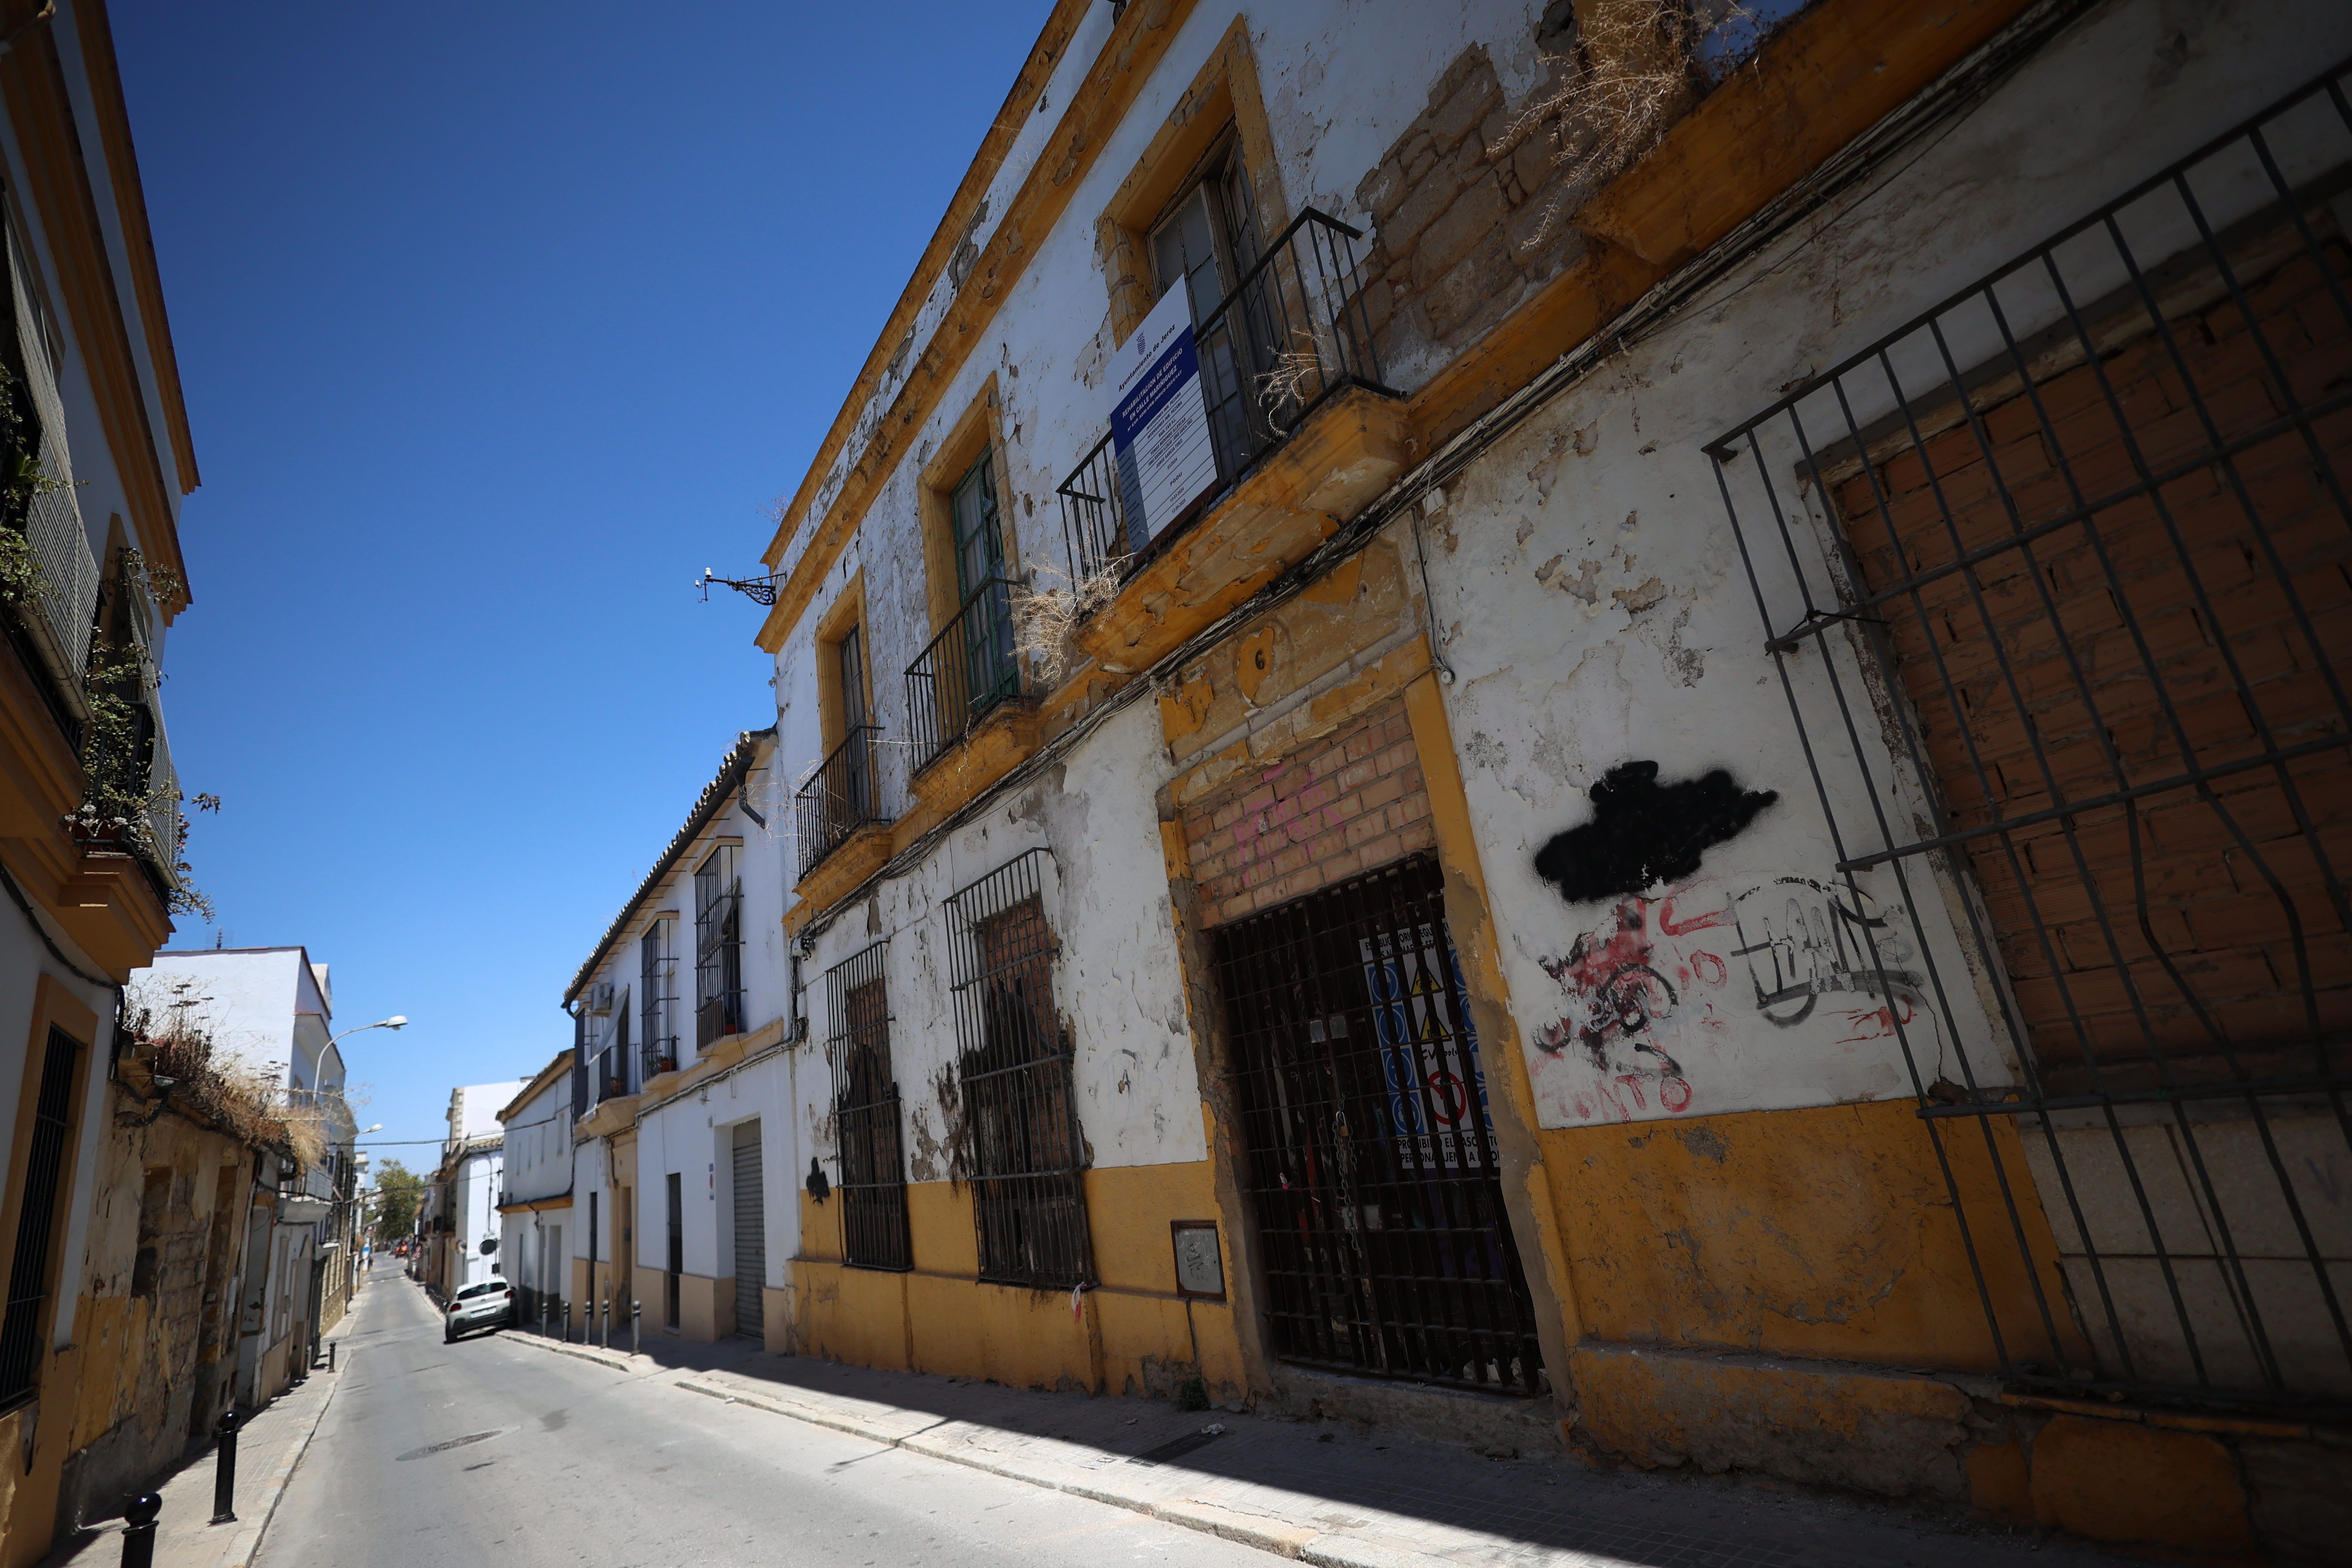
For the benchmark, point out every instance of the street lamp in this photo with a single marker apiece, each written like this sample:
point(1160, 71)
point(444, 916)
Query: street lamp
point(397, 1021)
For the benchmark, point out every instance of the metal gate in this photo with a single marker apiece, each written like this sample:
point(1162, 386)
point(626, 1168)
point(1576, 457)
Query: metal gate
point(751, 1232)
point(1372, 1170)
point(2055, 578)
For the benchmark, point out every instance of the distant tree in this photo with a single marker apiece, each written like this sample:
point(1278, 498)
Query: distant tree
point(402, 1190)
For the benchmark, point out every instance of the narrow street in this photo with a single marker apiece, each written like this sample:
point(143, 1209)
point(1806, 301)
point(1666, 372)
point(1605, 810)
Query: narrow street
point(543, 1459)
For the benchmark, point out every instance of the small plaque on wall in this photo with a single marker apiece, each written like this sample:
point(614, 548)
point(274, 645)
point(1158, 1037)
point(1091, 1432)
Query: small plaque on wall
point(1200, 1266)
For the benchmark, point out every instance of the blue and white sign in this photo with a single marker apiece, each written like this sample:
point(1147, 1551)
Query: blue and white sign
point(1160, 429)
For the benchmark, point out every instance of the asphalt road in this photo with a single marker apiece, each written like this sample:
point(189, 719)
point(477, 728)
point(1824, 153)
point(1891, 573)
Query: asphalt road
point(508, 1456)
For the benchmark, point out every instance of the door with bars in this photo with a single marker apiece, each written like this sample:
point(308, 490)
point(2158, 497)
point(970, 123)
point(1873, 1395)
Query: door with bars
point(2084, 530)
point(1373, 1175)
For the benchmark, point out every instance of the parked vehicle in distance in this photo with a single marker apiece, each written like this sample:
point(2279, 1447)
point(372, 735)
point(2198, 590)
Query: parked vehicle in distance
point(488, 1305)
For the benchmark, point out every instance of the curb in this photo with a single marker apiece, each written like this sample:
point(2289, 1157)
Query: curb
point(1300, 1543)
point(619, 1361)
point(246, 1544)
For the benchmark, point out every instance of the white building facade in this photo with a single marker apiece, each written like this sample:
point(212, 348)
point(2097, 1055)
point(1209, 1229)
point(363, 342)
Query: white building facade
point(535, 1206)
point(683, 1205)
point(466, 1220)
point(1632, 852)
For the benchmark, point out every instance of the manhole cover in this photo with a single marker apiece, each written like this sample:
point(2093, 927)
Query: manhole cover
point(442, 1447)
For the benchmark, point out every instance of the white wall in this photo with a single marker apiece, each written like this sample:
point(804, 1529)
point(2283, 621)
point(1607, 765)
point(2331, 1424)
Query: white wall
point(473, 1212)
point(763, 834)
point(693, 1136)
point(262, 1005)
point(538, 1142)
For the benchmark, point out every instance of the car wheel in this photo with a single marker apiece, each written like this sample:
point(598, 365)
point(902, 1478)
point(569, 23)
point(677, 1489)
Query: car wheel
point(448, 1336)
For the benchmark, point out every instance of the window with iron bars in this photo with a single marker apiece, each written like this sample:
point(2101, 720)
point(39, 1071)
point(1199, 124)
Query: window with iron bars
point(32, 1275)
point(657, 972)
point(718, 947)
point(2087, 533)
point(613, 1060)
point(1023, 1153)
point(873, 1186)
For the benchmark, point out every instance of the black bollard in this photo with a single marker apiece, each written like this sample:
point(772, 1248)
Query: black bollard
point(224, 1467)
point(139, 1531)
point(330, 1353)
point(637, 1316)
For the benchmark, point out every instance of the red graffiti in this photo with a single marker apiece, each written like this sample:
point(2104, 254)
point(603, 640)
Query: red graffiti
point(1708, 922)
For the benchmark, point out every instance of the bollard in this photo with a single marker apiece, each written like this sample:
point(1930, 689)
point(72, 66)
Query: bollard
point(604, 1323)
point(330, 1353)
point(636, 1320)
point(139, 1531)
point(224, 1467)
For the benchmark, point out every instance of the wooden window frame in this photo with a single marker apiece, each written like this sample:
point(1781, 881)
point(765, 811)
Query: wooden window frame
point(1221, 109)
point(845, 616)
point(976, 435)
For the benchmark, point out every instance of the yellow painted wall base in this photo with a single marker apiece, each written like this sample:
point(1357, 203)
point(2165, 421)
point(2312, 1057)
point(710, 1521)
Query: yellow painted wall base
point(2223, 1490)
point(1132, 1334)
point(1825, 1232)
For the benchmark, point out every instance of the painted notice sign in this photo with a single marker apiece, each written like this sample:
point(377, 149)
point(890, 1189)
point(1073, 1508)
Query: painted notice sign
point(1160, 430)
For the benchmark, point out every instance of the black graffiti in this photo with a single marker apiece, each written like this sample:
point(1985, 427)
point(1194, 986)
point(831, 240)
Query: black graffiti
point(1643, 833)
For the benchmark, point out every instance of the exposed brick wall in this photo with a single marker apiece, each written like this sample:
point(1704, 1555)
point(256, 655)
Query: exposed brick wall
point(1459, 235)
point(1348, 802)
point(2204, 937)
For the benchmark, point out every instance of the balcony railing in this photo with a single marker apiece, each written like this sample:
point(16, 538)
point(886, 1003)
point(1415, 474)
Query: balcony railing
point(843, 796)
point(969, 668)
point(1291, 333)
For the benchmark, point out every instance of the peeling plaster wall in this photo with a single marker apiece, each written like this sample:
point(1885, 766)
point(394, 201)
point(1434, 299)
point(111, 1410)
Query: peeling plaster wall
point(1339, 83)
point(151, 1380)
point(1589, 591)
point(1116, 978)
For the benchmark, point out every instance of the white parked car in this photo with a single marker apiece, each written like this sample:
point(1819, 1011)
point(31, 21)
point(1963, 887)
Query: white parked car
point(488, 1305)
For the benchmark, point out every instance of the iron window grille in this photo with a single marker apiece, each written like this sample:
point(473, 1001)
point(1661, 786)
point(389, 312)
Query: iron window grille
point(1372, 1169)
point(968, 669)
point(1023, 1153)
point(612, 1062)
point(57, 621)
point(2053, 577)
point(31, 1273)
point(843, 794)
point(718, 947)
point(656, 983)
point(873, 1186)
point(1290, 335)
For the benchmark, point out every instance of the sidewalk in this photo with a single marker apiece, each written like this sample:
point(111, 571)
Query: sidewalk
point(1334, 1494)
point(267, 1449)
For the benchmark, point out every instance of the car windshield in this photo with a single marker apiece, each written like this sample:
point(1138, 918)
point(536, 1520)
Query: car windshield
point(488, 1288)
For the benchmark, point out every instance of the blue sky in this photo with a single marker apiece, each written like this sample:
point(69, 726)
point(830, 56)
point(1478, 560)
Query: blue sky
point(497, 325)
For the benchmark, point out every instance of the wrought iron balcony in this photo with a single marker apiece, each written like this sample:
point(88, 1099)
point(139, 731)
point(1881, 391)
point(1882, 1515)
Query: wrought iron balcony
point(1294, 332)
point(843, 796)
point(969, 668)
